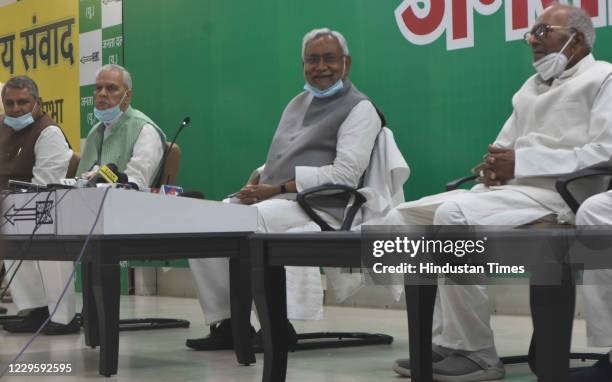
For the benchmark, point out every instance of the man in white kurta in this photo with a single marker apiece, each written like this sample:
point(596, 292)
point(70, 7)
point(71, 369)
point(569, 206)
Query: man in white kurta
point(37, 285)
point(562, 122)
point(326, 135)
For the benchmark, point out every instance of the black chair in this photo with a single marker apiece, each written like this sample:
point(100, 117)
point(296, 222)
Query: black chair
point(336, 195)
point(169, 172)
point(561, 298)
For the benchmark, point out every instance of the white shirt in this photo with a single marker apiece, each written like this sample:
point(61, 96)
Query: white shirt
point(146, 156)
point(356, 138)
point(52, 156)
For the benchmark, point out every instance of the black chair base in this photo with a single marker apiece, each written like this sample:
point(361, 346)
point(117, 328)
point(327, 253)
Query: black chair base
point(513, 360)
point(129, 325)
point(330, 340)
point(519, 359)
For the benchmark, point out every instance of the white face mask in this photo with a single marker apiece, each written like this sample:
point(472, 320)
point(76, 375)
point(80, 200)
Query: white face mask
point(553, 64)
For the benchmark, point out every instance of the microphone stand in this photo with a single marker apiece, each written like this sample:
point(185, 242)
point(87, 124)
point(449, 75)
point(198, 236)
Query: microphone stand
point(162, 162)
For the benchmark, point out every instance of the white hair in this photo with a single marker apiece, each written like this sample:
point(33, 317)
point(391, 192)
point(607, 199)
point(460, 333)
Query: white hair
point(316, 33)
point(579, 20)
point(127, 77)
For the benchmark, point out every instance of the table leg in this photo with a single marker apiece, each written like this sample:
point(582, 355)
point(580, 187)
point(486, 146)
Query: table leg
point(270, 292)
point(106, 293)
point(241, 299)
point(552, 311)
point(420, 300)
point(89, 315)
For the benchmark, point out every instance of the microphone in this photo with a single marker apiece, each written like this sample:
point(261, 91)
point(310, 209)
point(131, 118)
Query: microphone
point(110, 174)
point(162, 162)
point(105, 174)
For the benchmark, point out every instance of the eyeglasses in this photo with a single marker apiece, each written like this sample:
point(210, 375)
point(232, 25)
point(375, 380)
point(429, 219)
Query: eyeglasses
point(539, 32)
point(328, 59)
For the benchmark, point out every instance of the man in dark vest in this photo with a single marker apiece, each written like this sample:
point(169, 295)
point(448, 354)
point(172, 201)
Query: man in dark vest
point(325, 135)
point(124, 136)
point(35, 150)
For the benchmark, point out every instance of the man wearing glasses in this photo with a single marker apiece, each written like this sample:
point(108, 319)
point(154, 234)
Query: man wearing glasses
point(562, 122)
point(325, 135)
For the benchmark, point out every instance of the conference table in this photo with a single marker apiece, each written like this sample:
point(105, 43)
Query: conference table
point(552, 292)
point(54, 225)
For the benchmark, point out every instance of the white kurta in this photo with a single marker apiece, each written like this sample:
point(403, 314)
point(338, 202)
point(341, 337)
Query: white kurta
point(40, 283)
point(554, 129)
point(356, 138)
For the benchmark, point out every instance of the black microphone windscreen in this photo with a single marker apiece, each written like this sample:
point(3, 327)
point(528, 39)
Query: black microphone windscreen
point(113, 167)
point(122, 178)
point(186, 121)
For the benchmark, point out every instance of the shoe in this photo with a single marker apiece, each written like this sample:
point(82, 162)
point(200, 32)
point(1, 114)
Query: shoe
point(465, 368)
point(56, 329)
point(601, 371)
point(292, 339)
point(29, 323)
point(438, 353)
point(220, 338)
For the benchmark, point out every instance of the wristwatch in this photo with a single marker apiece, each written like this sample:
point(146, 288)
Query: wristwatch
point(283, 188)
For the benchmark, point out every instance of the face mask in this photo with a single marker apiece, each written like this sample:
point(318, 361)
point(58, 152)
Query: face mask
point(21, 122)
point(110, 114)
point(330, 91)
point(553, 64)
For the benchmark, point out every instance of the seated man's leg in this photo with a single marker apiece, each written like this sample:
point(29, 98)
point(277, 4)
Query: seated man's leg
point(465, 321)
point(28, 294)
point(304, 292)
point(55, 276)
point(597, 292)
point(211, 277)
point(37, 286)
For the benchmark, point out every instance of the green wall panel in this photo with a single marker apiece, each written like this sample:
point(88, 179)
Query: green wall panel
point(233, 66)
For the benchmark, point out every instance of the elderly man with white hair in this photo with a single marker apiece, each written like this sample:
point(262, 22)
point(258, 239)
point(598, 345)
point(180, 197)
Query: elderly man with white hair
point(123, 136)
point(562, 122)
point(325, 135)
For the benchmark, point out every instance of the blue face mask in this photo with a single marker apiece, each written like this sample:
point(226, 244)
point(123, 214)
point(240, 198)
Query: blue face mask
point(21, 122)
point(330, 91)
point(110, 114)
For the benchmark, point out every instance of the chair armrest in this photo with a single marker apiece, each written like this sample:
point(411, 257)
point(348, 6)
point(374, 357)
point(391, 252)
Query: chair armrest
point(331, 190)
point(563, 181)
point(454, 184)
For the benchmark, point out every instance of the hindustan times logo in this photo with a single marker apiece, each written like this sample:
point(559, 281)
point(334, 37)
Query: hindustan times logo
point(412, 248)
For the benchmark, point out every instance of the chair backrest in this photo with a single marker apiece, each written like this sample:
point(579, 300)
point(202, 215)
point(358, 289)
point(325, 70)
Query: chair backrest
point(73, 164)
point(171, 165)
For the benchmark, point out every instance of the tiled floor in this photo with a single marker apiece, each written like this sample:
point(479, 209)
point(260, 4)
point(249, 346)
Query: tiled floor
point(161, 355)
